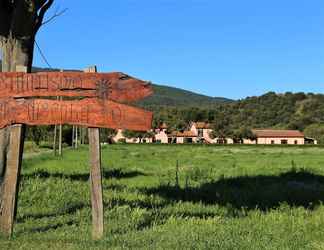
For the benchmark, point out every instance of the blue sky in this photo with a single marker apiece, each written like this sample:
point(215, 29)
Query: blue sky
point(230, 48)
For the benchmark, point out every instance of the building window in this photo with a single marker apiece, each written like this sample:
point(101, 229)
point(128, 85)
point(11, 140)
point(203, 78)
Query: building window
point(272, 142)
point(284, 142)
point(188, 140)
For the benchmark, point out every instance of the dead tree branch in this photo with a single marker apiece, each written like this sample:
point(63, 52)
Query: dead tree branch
point(41, 14)
point(56, 14)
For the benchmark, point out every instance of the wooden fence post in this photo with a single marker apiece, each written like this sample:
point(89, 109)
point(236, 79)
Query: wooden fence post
point(76, 136)
point(96, 179)
point(10, 186)
point(11, 181)
point(73, 133)
point(55, 139)
point(96, 183)
point(60, 98)
point(60, 139)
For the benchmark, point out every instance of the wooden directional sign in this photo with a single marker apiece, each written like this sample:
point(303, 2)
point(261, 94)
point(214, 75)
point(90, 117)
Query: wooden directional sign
point(102, 91)
point(113, 86)
point(93, 102)
point(88, 112)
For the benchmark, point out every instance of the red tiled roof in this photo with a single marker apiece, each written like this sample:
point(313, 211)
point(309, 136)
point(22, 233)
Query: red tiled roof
point(201, 125)
point(182, 134)
point(277, 133)
point(163, 126)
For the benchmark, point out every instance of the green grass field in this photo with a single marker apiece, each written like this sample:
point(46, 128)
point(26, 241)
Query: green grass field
point(216, 197)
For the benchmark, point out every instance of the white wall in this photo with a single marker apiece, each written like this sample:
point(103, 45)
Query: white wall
point(162, 136)
point(291, 141)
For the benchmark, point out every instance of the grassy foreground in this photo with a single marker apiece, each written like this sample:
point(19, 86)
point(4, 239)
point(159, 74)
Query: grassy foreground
point(216, 197)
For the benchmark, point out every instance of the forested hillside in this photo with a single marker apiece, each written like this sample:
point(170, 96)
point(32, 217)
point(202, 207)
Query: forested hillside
point(175, 97)
point(300, 111)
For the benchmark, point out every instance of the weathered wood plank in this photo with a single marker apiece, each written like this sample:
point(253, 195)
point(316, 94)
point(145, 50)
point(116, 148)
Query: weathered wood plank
point(88, 112)
point(113, 86)
point(96, 179)
point(96, 183)
point(10, 186)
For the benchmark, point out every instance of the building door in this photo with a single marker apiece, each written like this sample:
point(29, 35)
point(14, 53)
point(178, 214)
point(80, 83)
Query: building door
point(284, 142)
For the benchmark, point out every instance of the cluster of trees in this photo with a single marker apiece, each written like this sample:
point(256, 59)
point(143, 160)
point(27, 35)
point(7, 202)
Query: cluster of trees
point(45, 135)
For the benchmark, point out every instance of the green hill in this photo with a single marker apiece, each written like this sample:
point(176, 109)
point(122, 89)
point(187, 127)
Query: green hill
point(175, 97)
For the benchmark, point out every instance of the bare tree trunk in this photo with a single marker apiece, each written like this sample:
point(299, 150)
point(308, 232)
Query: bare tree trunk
point(60, 140)
point(14, 52)
point(73, 133)
point(76, 136)
point(17, 52)
point(81, 135)
point(55, 139)
point(19, 23)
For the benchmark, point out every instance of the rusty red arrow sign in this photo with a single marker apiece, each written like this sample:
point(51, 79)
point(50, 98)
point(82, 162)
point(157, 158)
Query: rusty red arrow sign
point(113, 86)
point(89, 112)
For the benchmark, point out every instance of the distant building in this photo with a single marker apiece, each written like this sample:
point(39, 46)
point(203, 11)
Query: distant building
point(161, 135)
point(182, 137)
point(276, 136)
point(202, 130)
point(119, 137)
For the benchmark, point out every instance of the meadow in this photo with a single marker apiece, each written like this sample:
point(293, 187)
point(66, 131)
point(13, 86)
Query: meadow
point(175, 197)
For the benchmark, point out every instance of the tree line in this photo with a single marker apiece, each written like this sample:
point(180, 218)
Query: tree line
point(301, 111)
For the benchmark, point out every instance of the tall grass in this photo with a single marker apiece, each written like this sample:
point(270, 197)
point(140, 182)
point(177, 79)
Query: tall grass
point(175, 197)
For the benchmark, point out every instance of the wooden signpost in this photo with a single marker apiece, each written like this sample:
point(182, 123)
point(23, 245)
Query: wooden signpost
point(95, 101)
point(113, 86)
point(89, 112)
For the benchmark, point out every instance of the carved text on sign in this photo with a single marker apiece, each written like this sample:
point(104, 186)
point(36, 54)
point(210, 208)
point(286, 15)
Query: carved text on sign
point(87, 112)
point(113, 86)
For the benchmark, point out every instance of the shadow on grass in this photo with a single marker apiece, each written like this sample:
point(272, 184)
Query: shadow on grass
point(296, 188)
point(114, 173)
point(44, 229)
point(72, 209)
